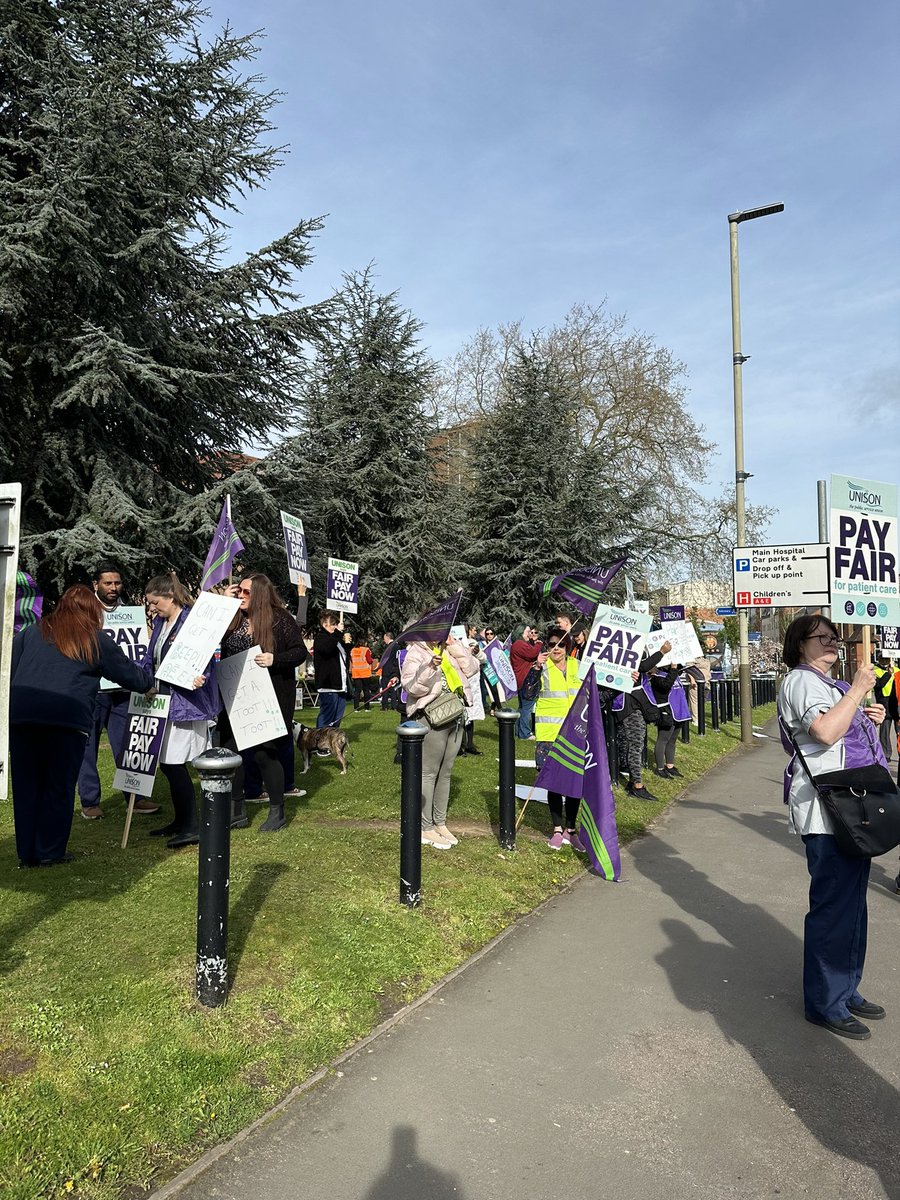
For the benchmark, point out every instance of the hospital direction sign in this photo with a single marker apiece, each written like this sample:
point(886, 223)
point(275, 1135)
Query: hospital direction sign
point(790, 576)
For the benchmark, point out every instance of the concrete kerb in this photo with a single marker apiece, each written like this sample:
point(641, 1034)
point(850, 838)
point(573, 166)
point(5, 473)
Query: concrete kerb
point(208, 1159)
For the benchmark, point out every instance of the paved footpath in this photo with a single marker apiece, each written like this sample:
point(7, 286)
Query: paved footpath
point(643, 1040)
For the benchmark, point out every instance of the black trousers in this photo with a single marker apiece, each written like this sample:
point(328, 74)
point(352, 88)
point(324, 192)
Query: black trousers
point(44, 765)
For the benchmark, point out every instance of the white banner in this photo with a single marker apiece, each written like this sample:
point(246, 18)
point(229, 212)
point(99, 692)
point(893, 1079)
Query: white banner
point(249, 699)
point(614, 646)
point(197, 639)
point(127, 627)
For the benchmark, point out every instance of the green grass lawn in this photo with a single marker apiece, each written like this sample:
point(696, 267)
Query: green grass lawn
point(112, 1075)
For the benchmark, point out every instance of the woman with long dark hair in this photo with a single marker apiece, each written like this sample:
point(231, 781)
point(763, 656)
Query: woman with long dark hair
point(263, 620)
point(191, 710)
point(56, 666)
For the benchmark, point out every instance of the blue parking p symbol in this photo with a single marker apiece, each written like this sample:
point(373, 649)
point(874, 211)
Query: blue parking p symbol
point(742, 564)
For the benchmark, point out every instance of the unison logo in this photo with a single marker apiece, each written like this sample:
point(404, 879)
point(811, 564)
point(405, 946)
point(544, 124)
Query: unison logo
point(861, 496)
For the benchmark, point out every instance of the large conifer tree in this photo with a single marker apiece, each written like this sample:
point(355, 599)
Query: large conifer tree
point(540, 502)
point(364, 457)
point(133, 354)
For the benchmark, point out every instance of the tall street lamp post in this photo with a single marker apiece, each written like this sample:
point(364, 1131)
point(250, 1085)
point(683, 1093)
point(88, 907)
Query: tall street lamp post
point(740, 475)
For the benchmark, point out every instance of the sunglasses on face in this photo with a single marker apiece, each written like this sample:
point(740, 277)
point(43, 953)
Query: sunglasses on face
point(244, 591)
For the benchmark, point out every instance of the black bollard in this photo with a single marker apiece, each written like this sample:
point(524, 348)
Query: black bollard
point(726, 704)
point(685, 731)
point(411, 735)
point(506, 719)
point(714, 704)
point(701, 707)
point(736, 698)
point(216, 769)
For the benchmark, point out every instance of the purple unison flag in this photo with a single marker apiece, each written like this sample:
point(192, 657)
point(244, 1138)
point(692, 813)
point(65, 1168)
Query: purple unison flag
point(583, 586)
point(29, 602)
point(435, 625)
point(225, 547)
point(576, 765)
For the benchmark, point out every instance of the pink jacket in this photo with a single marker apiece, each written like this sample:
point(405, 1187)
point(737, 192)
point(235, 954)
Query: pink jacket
point(423, 681)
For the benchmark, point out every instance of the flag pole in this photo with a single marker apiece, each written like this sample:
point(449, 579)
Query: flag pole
point(231, 560)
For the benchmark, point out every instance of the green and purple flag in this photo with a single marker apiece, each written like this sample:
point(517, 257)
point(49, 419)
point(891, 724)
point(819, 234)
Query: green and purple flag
point(29, 602)
point(226, 546)
point(576, 765)
point(433, 626)
point(584, 586)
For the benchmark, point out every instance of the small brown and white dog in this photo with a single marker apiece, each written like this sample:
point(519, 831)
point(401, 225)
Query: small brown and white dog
point(331, 741)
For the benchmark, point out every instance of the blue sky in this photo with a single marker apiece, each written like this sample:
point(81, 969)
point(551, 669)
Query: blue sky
point(501, 161)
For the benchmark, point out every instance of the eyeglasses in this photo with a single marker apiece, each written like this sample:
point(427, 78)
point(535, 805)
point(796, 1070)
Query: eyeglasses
point(244, 591)
point(827, 639)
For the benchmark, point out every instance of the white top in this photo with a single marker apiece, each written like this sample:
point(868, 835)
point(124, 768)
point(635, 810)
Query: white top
point(804, 695)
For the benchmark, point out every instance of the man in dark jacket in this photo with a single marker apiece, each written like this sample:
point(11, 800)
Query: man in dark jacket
point(110, 713)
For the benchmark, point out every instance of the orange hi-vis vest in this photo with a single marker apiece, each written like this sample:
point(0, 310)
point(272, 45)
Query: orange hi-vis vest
point(360, 663)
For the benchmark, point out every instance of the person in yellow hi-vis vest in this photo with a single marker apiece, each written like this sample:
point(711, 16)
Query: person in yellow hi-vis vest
point(885, 693)
point(559, 687)
point(361, 673)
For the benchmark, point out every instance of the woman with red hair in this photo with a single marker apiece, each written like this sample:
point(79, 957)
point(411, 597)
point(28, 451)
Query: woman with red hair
point(56, 666)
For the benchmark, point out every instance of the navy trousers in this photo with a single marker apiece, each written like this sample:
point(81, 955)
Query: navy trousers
point(331, 709)
point(44, 762)
point(834, 933)
point(114, 719)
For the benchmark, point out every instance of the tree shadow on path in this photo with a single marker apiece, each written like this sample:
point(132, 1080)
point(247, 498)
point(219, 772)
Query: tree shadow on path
point(845, 1104)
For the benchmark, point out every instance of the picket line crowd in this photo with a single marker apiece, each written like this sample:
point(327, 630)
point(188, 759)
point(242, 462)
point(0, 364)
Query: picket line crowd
point(58, 710)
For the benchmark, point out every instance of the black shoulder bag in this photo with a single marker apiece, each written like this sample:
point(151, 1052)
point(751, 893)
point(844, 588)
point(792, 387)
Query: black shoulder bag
point(864, 806)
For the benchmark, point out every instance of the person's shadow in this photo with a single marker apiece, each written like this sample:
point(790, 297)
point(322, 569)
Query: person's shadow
point(750, 985)
point(409, 1177)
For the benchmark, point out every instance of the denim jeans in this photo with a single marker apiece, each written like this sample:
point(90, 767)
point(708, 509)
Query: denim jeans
point(523, 725)
point(331, 709)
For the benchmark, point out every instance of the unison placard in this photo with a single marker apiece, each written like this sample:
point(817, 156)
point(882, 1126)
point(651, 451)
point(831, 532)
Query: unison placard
point(614, 646)
point(864, 551)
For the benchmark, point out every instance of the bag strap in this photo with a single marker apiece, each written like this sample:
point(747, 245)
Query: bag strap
point(800, 754)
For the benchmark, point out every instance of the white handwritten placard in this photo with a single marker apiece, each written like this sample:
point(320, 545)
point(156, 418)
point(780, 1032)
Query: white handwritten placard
point(685, 645)
point(249, 699)
point(197, 640)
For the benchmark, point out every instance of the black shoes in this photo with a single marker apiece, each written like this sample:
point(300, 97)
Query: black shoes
point(641, 793)
point(164, 830)
point(183, 839)
point(674, 773)
point(55, 862)
point(872, 1012)
point(850, 1028)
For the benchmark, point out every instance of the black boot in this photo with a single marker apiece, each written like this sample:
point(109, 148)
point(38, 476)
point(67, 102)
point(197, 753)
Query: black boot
point(165, 830)
point(469, 747)
point(239, 814)
point(275, 819)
